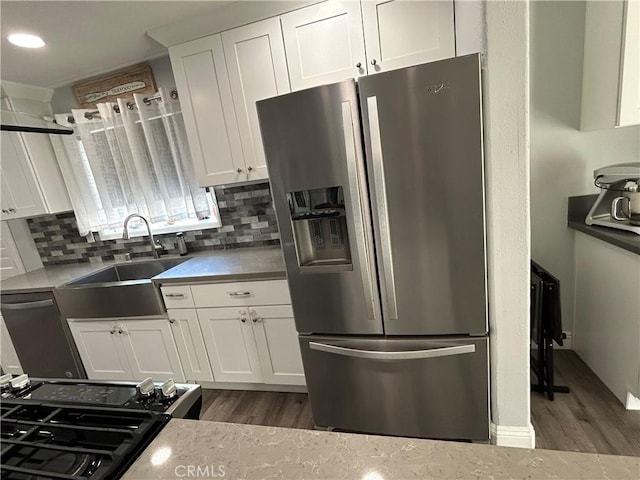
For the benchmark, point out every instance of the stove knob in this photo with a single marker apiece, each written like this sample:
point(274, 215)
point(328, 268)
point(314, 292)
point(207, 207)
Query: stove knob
point(5, 381)
point(168, 389)
point(20, 382)
point(146, 388)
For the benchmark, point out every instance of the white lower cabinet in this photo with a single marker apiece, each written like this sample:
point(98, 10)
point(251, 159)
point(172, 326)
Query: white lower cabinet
point(190, 343)
point(277, 341)
point(231, 345)
point(126, 349)
point(101, 350)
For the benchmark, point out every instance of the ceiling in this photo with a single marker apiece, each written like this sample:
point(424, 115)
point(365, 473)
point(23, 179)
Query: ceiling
point(86, 38)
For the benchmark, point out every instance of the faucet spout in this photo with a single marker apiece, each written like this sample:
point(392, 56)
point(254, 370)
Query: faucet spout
point(125, 233)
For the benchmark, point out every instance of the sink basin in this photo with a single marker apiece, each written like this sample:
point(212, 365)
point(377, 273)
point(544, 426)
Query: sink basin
point(122, 290)
point(125, 272)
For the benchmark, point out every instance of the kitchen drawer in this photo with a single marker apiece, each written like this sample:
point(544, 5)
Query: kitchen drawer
point(272, 292)
point(177, 296)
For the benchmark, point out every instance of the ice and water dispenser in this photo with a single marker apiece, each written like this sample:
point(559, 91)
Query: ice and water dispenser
point(320, 229)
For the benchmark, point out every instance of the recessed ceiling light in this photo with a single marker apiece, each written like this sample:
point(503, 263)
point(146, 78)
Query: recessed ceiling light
point(26, 40)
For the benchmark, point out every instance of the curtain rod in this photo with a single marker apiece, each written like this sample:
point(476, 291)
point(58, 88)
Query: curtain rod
point(130, 105)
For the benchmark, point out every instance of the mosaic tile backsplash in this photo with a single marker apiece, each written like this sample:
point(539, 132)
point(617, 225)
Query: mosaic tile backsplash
point(248, 220)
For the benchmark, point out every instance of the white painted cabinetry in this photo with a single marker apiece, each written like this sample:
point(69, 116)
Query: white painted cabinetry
point(257, 70)
point(219, 79)
point(8, 357)
point(202, 81)
point(334, 41)
point(10, 261)
point(31, 180)
point(188, 336)
point(126, 349)
point(248, 330)
point(611, 67)
point(231, 344)
point(324, 44)
point(400, 33)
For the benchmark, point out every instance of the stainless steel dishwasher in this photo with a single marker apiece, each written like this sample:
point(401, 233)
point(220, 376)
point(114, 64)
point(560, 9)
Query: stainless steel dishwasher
point(40, 336)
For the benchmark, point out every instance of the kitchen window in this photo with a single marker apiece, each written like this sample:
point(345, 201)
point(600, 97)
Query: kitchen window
point(132, 157)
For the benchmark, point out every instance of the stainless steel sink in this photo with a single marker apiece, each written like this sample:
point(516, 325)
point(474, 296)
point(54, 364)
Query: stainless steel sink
point(122, 290)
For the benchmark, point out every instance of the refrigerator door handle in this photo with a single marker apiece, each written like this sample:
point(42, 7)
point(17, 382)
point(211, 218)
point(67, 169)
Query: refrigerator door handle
point(359, 220)
point(401, 355)
point(389, 303)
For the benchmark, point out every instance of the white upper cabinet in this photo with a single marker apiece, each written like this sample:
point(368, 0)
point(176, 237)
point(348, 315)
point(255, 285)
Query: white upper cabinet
point(205, 97)
point(400, 33)
point(324, 44)
point(20, 193)
point(257, 70)
point(611, 67)
point(31, 180)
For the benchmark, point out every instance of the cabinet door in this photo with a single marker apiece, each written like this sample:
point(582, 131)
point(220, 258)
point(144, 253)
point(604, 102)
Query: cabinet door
point(10, 261)
point(207, 107)
point(629, 103)
point(150, 348)
point(278, 346)
point(101, 350)
point(401, 33)
point(324, 44)
point(190, 344)
point(20, 193)
point(257, 70)
point(8, 357)
point(230, 344)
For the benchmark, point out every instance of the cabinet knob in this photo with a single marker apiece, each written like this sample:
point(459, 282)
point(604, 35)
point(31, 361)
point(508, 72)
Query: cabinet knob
point(172, 320)
point(359, 65)
point(112, 331)
point(4, 210)
point(243, 320)
point(12, 210)
point(249, 168)
point(120, 331)
point(374, 62)
point(239, 170)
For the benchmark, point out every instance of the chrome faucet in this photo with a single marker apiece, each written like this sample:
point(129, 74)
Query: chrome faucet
point(156, 247)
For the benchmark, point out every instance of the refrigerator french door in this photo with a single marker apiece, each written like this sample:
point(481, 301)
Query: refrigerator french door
point(378, 188)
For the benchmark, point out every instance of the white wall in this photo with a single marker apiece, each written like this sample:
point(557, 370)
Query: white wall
point(562, 157)
point(506, 101)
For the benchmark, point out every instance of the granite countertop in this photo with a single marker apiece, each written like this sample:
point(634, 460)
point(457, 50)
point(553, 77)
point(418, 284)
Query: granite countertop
point(257, 263)
point(228, 266)
point(226, 450)
point(577, 211)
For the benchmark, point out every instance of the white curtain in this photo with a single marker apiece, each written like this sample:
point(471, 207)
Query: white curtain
point(130, 160)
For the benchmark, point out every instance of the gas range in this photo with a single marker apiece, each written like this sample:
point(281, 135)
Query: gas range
point(84, 429)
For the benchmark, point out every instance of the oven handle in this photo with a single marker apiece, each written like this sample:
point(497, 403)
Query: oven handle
point(405, 355)
point(27, 305)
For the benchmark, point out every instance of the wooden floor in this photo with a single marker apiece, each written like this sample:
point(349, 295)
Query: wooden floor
point(589, 419)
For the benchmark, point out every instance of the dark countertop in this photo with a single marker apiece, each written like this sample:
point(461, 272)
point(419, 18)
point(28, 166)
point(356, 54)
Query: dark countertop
point(233, 451)
point(578, 209)
point(215, 266)
point(228, 266)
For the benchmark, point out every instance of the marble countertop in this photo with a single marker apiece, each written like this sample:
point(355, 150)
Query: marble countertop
point(227, 450)
point(228, 265)
point(257, 263)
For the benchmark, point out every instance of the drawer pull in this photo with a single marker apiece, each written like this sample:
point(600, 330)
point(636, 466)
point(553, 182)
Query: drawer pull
point(174, 295)
point(239, 294)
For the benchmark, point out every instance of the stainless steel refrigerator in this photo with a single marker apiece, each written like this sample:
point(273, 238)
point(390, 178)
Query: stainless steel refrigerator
point(379, 193)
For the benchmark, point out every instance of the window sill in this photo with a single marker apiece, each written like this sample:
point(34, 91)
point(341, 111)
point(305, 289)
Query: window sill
point(157, 229)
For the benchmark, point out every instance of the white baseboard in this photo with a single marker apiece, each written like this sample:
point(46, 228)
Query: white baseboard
point(519, 437)
point(632, 403)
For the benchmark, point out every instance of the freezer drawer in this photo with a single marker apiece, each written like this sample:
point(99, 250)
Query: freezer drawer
point(414, 387)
